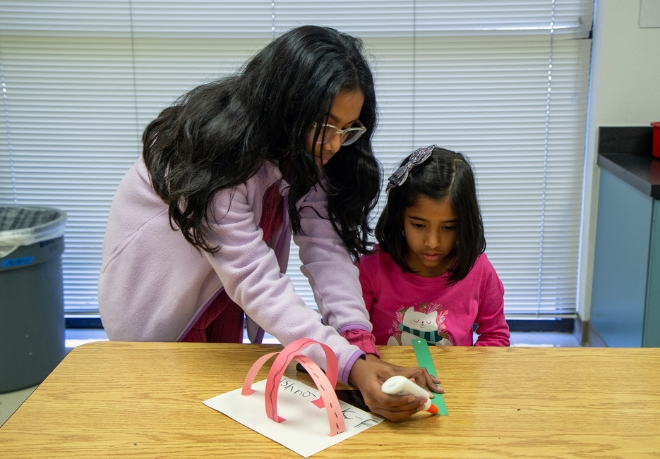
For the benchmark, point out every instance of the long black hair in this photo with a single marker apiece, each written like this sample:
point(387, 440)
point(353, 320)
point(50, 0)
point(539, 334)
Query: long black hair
point(219, 134)
point(444, 174)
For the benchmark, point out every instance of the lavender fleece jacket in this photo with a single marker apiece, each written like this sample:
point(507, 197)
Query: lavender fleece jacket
point(154, 285)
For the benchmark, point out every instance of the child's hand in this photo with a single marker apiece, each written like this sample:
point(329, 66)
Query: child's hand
point(431, 382)
point(369, 375)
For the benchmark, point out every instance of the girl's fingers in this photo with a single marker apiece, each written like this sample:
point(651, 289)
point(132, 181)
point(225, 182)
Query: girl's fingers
point(394, 415)
point(398, 407)
point(402, 402)
point(433, 384)
point(424, 379)
point(436, 389)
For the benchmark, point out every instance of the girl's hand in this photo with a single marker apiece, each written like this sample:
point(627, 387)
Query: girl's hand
point(369, 375)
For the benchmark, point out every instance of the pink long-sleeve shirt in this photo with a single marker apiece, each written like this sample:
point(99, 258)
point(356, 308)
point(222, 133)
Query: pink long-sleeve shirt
point(404, 306)
point(154, 285)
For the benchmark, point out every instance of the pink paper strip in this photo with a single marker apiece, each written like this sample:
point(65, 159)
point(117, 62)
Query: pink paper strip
point(328, 396)
point(254, 369)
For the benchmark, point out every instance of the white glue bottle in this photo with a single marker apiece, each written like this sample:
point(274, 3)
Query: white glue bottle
point(400, 385)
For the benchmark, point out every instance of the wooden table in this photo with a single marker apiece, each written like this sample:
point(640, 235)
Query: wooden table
point(114, 399)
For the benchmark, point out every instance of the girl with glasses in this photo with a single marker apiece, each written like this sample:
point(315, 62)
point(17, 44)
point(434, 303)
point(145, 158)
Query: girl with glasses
point(199, 229)
point(430, 277)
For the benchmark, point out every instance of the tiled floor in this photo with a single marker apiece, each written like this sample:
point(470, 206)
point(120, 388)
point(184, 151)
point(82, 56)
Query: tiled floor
point(9, 402)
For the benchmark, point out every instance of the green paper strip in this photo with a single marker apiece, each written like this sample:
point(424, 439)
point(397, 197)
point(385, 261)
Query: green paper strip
point(425, 360)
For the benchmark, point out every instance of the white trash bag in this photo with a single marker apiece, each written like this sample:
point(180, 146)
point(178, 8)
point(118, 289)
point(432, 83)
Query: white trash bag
point(21, 226)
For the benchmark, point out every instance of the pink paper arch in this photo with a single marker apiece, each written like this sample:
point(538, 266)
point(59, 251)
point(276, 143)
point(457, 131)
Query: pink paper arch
point(325, 383)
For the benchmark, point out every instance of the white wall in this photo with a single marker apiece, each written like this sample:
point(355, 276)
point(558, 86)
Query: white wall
point(624, 91)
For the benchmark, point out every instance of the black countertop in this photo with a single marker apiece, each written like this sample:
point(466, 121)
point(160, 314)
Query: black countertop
point(626, 153)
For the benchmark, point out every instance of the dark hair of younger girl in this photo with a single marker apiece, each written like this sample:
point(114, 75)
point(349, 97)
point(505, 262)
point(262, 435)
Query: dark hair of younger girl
point(444, 174)
point(219, 134)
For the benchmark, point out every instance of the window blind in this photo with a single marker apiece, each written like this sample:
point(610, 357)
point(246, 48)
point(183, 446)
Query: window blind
point(504, 82)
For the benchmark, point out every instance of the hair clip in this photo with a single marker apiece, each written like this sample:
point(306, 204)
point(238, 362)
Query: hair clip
point(415, 159)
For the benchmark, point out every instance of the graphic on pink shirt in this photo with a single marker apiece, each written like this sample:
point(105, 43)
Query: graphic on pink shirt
point(425, 321)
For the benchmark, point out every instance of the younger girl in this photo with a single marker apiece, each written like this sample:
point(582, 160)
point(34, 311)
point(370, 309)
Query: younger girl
point(430, 278)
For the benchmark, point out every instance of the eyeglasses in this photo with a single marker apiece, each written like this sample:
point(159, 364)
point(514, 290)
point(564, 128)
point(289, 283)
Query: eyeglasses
point(347, 136)
point(415, 159)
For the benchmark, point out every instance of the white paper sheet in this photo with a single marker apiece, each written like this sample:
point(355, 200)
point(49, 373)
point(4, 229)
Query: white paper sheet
point(305, 429)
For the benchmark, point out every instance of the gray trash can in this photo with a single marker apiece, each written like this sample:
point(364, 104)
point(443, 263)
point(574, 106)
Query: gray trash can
point(31, 295)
